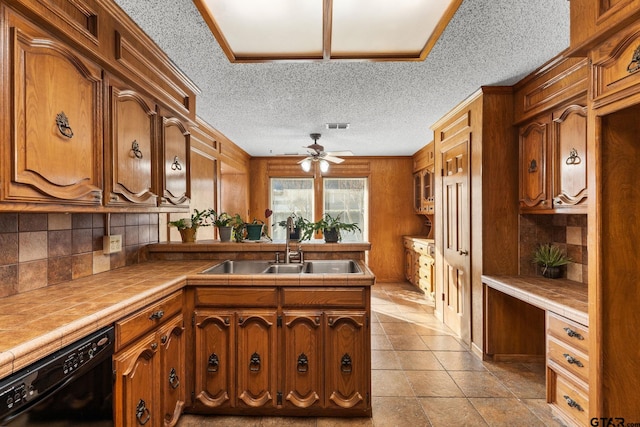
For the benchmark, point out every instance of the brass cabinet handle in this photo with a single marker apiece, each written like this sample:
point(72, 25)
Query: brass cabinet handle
point(573, 334)
point(573, 361)
point(63, 125)
point(176, 166)
point(634, 65)
point(463, 252)
point(572, 403)
point(345, 364)
point(533, 166)
point(303, 363)
point(143, 415)
point(174, 381)
point(254, 362)
point(135, 148)
point(156, 315)
point(154, 346)
point(573, 158)
point(213, 363)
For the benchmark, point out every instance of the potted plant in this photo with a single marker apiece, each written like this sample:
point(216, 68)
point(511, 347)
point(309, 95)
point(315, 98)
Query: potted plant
point(223, 222)
point(550, 258)
point(189, 226)
point(330, 227)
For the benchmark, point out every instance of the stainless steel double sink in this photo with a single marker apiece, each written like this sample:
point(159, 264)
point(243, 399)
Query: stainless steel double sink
point(347, 266)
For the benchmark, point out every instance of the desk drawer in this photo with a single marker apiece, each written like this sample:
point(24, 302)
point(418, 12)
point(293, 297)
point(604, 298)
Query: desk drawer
point(568, 358)
point(570, 332)
point(570, 400)
point(146, 319)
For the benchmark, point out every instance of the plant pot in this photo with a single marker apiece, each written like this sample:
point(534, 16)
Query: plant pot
point(225, 233)
point(254, 231)
point(188, 235)
point(552, 272)
point(331, 235)
point(295, 234)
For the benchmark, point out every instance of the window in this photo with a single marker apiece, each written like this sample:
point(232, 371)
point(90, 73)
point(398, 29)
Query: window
point(290, 195)
point(347, 197)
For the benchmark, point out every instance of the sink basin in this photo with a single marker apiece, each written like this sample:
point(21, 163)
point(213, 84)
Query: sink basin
point(342, 266)
point(267, 267)
point(239, 267)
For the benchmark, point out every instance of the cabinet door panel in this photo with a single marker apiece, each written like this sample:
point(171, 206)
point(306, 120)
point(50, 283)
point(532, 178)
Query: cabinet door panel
point(172, 374)
point(132, 148)
point(570, 156)
point(57, 116)
point(303, 361)
point(533, 166)
point(346, 364)
point(215, 367)
point(256, 359)
point(136, 388)
point(175, 138)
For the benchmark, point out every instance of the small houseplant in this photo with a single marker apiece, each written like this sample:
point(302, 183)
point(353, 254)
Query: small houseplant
point(299, 225)
point(223, 222)
point(330, 227)
point(550, 258)
point(189, 226)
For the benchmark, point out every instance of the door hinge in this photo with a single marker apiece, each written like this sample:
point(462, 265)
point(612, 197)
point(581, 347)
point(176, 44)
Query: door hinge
point(443, 297)
point(279, 398)
point(193, 396)
point(368, 399)
point(193, 319)
point(367, 320)
point(441, 172)
point(279, 321)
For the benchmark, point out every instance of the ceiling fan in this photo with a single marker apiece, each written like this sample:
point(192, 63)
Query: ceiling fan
point(317, 153)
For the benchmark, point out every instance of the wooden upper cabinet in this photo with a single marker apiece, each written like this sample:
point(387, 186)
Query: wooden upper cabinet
point(54, 115)
point(533, 139)
point(175, 148)
point(570, 157)
point(131, 149)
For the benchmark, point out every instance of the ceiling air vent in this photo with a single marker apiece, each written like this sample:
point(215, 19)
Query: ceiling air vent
point(338, 126)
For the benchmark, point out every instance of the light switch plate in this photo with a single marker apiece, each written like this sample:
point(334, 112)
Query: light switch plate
point(112, 244)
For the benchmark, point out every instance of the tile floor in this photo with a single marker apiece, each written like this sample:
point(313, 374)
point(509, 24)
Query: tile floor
point(422, 376)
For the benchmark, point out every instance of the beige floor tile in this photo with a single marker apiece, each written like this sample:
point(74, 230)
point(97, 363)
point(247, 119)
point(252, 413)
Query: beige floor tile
point(390, 383)
point(345, 422)
point(385, 359)
point(407, 342)
point(542, 410)
point(398, 328)
point(288, 422)
point(376, 328)
point(433, 384)
point(451, 411)
point(398, 412)
point(380, 342)
point(430, 328)
point(479, 384)
point(507, 412)
point(523, 383)
point(442, 342)
point(219, 421)
point(389, 316)
point(459, 361)
point(418, 361)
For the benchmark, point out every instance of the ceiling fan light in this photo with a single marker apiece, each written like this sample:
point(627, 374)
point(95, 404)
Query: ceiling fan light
point(324, 166)
point(306, 165)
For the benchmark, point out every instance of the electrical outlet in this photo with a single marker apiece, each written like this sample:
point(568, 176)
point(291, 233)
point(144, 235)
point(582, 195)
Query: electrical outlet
point(112, 244)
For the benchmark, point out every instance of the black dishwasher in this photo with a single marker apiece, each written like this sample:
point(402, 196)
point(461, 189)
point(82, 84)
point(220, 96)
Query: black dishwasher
point(72, 386)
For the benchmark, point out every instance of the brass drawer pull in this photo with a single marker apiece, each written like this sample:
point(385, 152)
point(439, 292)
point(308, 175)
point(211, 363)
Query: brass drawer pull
point(63, 125)
point(634, 65)
point(572, 403)
point(573, 361)
point(573, 334)
point(156, 315)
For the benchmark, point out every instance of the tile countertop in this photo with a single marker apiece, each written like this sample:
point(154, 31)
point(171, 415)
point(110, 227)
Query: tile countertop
point(561, 296)
point(39, 322)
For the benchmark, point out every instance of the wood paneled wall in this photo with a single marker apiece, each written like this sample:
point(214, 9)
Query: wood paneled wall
point(391, 213)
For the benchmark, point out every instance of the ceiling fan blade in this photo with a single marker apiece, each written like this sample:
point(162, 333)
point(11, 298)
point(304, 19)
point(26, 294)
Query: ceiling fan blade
point(340, 153)
point(332, 159)
point(306, 158)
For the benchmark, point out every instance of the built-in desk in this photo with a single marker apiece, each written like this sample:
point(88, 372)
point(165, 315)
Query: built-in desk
point(533, 318)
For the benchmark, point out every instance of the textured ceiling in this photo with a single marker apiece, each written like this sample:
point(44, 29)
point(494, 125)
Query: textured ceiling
point(270, 108)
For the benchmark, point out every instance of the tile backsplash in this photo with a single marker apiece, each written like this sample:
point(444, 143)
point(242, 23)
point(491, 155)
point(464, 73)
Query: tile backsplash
point(569, 232)
point(42, 249)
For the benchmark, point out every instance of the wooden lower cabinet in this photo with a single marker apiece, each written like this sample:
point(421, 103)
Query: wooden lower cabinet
point(287, 360)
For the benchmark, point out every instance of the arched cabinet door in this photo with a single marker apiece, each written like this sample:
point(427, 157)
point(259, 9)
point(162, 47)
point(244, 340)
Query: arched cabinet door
point(570, 157)
point(55, 125)
point(130, 151)
point(175, 146)
point(534, 167)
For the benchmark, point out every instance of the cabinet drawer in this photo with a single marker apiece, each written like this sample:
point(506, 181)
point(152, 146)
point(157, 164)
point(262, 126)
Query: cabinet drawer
point(324, 297)
point(146, 319)
point(569, 358)
point(237, 297)
point(572, 333)
point(570, 399)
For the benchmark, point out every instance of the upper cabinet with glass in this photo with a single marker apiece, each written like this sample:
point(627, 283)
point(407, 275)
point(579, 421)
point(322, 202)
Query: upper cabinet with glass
point(423, 180)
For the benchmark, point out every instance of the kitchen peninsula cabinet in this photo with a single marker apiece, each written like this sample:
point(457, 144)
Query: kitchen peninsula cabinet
point(52, 119)
point(149, 365)
point(282, 350)
point(131, 148)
